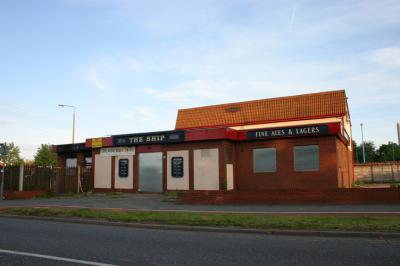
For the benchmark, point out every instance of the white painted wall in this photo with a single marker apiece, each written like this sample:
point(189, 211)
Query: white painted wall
point(206, 170)
point(181, 183)
point(229, 176)
point(102, 171)
point(124, 182)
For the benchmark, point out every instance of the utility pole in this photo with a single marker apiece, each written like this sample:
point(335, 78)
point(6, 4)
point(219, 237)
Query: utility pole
point(362, 139)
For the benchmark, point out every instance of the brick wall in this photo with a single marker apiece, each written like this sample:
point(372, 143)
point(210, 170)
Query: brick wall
point(286, 177)
point(324, 196)
point(377, 172)
point(344, 164)
point(11, 195)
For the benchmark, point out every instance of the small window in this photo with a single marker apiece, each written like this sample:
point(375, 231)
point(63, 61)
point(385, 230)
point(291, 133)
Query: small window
point(229, 155)
point(88, 161)
point(123, 168)
point(306, 158)
point(264, 160)
point(71, 162)
point(177, 167)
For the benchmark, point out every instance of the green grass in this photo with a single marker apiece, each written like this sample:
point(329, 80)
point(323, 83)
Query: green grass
point(310, 222)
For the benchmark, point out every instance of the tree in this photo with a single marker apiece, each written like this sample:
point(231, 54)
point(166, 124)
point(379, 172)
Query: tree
point(385, 152)
point(13, 156)
point(357, 153)
point(388, 152)
point(370, 152)
point(45, 156)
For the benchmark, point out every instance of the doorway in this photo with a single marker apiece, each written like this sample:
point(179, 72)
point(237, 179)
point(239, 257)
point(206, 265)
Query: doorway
point(150, 172)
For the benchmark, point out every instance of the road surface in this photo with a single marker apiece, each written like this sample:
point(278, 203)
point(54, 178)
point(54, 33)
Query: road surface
point(33, 242)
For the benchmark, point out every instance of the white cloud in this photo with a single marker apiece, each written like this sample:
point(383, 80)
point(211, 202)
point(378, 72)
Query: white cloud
point(94, 79)
point(208, 55)
point(107, 72)
point(143, 118)
point(6, 123)
point(388, 57)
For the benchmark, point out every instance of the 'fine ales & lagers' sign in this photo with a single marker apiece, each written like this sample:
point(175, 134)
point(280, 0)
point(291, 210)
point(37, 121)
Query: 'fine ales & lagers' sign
point(288, 132)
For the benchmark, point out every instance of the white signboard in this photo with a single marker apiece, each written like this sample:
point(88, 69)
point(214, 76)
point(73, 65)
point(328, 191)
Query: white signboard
point(117, 151)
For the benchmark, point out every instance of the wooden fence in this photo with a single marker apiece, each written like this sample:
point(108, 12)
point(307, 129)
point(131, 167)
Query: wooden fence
point(56, 179)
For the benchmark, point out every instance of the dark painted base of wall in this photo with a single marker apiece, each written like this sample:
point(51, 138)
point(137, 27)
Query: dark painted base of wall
point(328, 196)
point(109, 190)
point(13, 195)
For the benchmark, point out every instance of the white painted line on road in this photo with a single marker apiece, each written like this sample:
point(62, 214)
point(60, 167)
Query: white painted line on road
point(13, 252)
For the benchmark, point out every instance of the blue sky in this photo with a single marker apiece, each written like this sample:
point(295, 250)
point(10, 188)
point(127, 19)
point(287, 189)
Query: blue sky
point(129, 65)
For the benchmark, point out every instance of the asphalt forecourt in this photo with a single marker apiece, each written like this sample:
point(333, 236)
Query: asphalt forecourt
point(368, 225)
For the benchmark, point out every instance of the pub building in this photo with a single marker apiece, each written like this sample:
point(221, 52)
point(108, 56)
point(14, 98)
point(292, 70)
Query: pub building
point(295, 142)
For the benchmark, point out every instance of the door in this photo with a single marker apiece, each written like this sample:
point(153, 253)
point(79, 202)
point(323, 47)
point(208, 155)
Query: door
point(102, 171)
point(150, 172)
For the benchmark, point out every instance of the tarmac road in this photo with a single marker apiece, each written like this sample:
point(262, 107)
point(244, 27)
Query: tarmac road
point(79, 244)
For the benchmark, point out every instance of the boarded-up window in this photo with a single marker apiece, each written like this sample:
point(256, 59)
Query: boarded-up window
point(264, 160)
point(306, 158)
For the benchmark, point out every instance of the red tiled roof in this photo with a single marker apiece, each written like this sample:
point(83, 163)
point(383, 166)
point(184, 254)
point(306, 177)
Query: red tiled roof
point(306, 106)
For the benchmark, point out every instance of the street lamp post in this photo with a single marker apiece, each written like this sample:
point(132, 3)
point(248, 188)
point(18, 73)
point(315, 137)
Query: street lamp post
point(362, 139)
point(73, 120)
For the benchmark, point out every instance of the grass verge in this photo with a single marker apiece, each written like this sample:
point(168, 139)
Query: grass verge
point(301, 222)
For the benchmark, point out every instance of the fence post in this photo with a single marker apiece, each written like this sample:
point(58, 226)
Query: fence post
point(21, 178)
point(51, 178)
point(372, 173)
point(79, 178)
point(391, 166)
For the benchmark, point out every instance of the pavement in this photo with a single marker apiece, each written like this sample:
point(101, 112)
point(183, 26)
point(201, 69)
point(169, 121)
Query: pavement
point(33, 242)
point(153, 202)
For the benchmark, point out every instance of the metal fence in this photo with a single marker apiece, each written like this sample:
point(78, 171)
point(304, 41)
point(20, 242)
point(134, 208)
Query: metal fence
point(56, 179)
